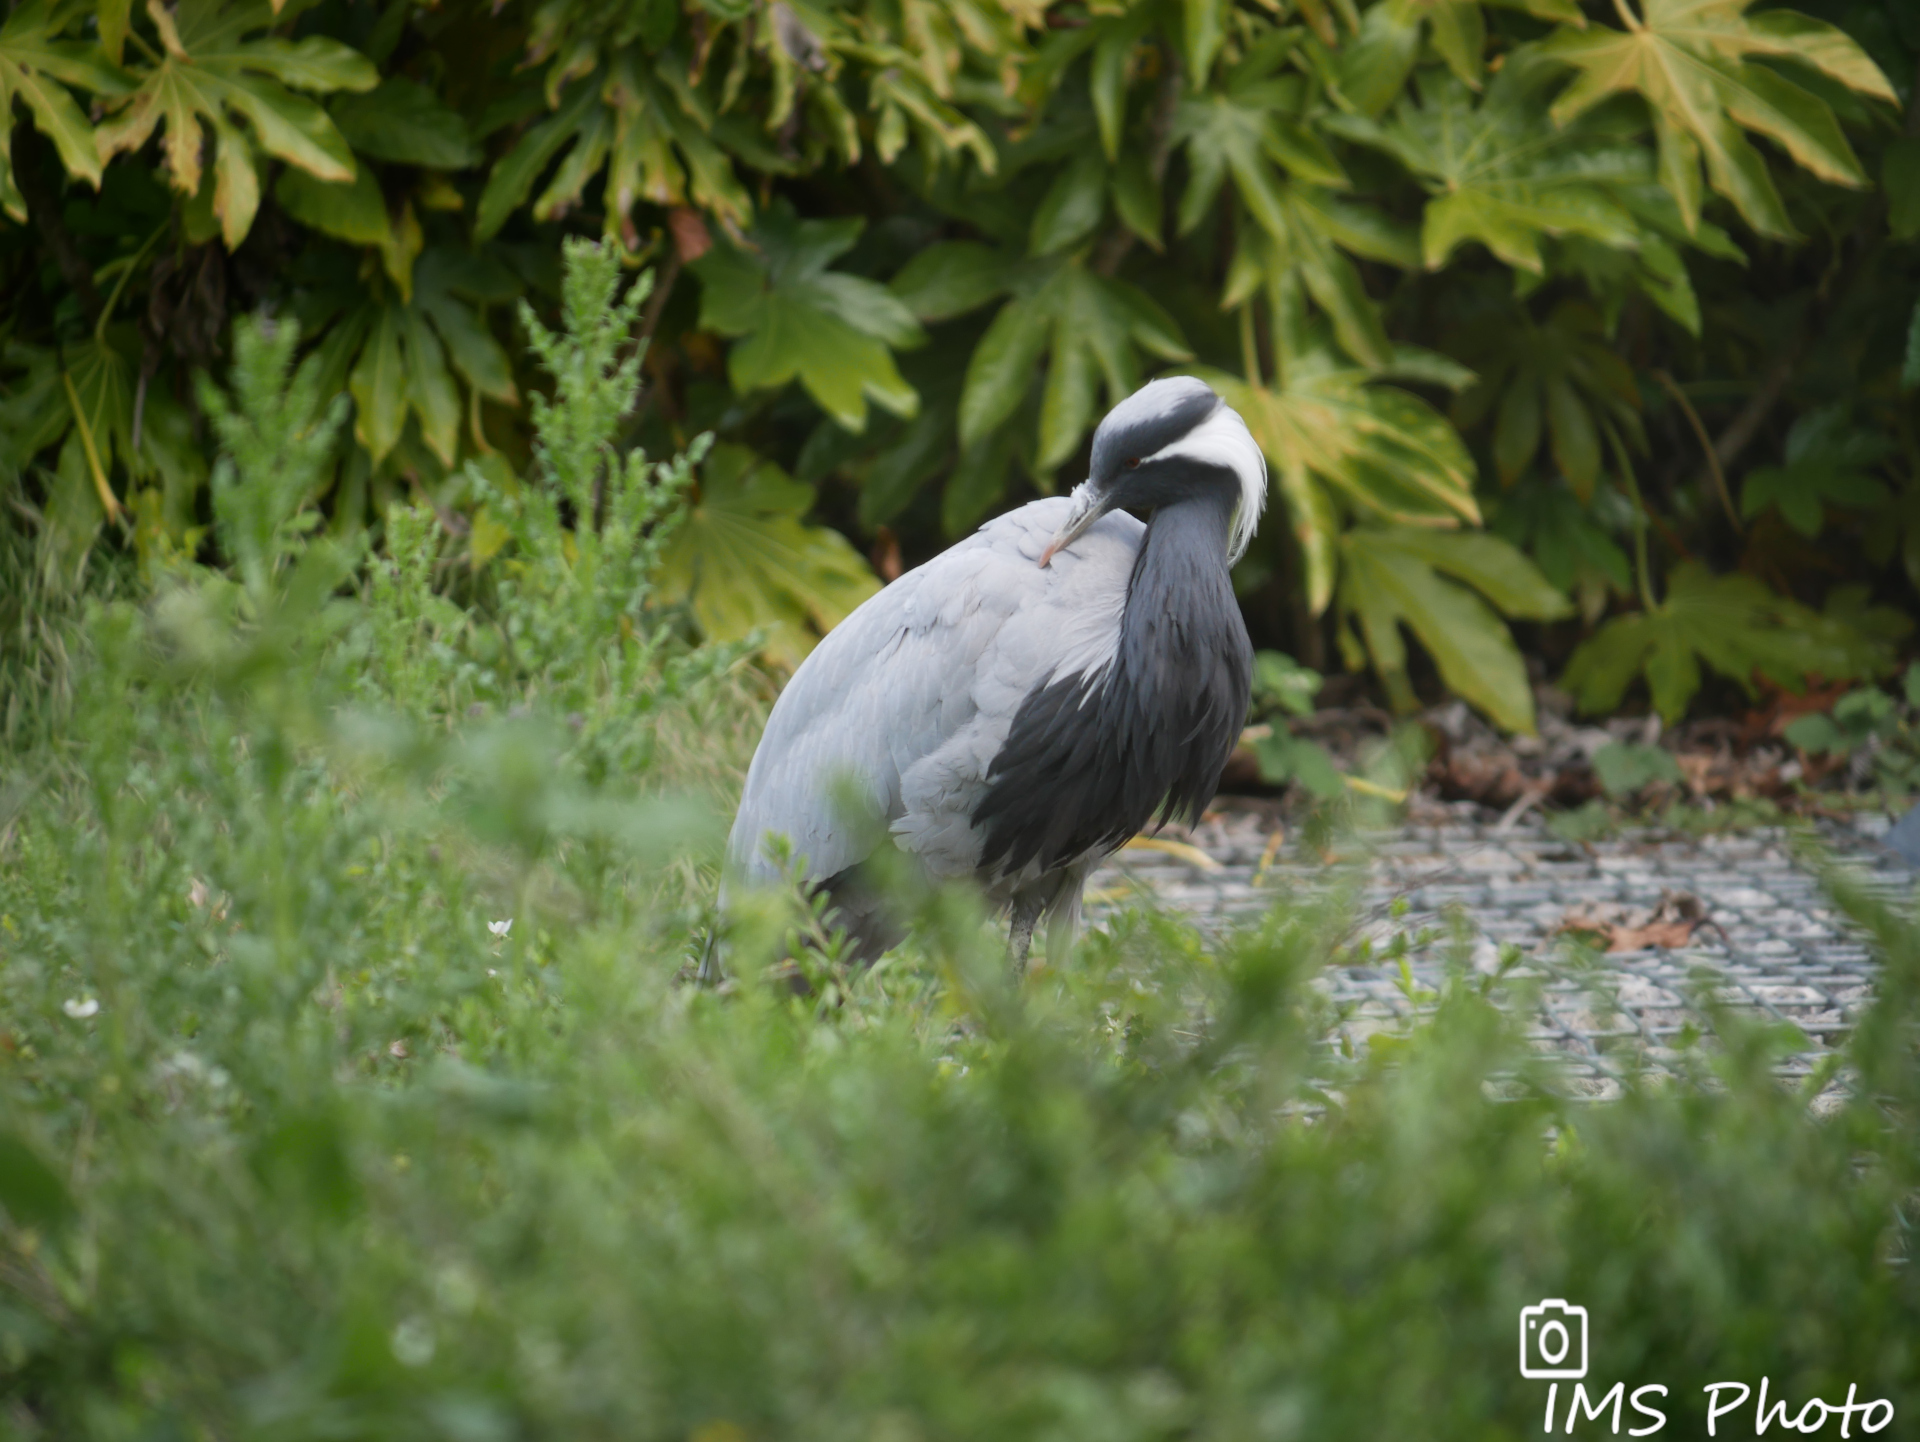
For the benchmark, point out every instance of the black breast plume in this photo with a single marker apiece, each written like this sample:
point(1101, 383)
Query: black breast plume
point(1090, 759)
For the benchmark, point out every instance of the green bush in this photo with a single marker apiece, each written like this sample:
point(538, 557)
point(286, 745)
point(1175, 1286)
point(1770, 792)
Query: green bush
point(348, 1088)
point(1454, 261)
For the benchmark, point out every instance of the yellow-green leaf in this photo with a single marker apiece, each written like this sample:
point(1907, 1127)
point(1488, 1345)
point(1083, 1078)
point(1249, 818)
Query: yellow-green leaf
point(1688, 60)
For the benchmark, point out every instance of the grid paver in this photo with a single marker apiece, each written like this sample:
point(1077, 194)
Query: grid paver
point(1772, 945)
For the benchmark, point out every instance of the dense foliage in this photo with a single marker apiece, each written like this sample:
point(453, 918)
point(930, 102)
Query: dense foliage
point(1592, 317)
point(347, 1089)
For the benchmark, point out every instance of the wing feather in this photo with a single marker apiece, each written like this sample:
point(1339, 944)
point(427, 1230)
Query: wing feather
point(902, 707)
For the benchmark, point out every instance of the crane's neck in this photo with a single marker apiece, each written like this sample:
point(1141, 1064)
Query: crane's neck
point(1181, 571)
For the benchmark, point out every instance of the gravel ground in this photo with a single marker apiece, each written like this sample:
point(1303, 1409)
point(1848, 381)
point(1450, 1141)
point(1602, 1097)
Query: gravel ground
point(1747, 925)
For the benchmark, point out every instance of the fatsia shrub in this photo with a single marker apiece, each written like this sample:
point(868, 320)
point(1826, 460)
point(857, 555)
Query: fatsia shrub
point(1599, 274)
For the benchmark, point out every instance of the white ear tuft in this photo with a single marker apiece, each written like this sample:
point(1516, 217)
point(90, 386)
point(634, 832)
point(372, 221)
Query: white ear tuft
point(1223, 439)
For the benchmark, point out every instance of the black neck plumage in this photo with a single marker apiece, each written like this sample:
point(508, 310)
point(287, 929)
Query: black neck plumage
point(1091, 759)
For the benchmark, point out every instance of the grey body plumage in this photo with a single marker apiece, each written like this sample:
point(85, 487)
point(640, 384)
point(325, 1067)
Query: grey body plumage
point(1018, 707)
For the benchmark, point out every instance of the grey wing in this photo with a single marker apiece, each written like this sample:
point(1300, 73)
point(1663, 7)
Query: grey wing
point(901, 709)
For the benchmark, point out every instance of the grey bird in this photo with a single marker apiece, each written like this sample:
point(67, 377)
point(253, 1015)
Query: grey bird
point(1023, 704)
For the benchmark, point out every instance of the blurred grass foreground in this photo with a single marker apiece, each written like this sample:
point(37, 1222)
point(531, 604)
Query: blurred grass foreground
point(350, 1086)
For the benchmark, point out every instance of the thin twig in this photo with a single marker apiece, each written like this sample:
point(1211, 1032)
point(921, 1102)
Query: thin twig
point(1745, 426)
point(1672, 388)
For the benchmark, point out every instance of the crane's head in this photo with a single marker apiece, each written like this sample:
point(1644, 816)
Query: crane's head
point(1171, 440)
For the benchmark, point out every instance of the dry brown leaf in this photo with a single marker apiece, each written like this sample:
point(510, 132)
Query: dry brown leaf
point(1615, 928)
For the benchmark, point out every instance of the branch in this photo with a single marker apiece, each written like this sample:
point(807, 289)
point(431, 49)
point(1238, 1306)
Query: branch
point(1672, 388)
point(1740, 433)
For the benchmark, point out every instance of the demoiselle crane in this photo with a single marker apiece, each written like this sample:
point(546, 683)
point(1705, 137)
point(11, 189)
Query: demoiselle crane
point(1020, 706)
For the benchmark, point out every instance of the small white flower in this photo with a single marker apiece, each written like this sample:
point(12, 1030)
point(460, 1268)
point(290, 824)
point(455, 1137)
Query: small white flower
point(80, 1007)
point(413, 1343)
point(500, 928)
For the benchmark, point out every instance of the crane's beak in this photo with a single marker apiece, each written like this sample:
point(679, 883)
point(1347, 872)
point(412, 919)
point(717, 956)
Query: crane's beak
point(1087, 508)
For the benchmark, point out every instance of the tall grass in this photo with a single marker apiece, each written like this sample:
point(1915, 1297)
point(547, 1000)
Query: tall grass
point(301, 1141)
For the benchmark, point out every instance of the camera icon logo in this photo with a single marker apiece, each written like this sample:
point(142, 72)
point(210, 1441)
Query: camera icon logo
point(1553, 1340)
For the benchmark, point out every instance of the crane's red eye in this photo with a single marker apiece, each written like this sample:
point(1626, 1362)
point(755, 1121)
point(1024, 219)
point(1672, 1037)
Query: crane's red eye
point(1133, 463)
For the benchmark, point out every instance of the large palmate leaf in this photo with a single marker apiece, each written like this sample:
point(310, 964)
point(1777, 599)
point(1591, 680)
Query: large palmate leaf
point(1394, 576)
point(404, 357)
point(403, 121)
point(81, 398)
point(1089, 330)
point(1388, 453)
point(36, 67)
point(1573, 549)
point(1692, 61)
point(640, 121)
point(795, 318)
point(1285, 177)
point(1556, 380)
point(1828, 463)
point(357, 212)
point(217, 71)
point(1499, 173)
point(1456, 29)
point(748, 561)
point(1735, 625)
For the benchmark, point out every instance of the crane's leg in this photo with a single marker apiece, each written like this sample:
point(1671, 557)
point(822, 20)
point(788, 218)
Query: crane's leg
point(1027, 906)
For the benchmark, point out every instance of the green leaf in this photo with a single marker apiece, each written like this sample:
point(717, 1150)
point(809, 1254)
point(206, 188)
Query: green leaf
point(1573, 551)
point(898, 470)
point(1623, 769)
point(403, 121)
point(1092, 330)
point(796, 319)
point(471, 348)
point(1372, 68)
point(1072, 207)
point(636, 118)
point(1392, 577)
point(1281, 683)
point(1688, 59)
point(1384, 448)
point(1557, 379)
point(951, 278)
point(1825, 456)
point(1488, 563)
point(1107, 75)
point(1002, 368)
point(1203, 30)
point(1733, 624)
point(748, 562)
point(1499, 174)
point(511, 180)
point(1900, 177)
point(379, 387)
point(1137, 198)
point(1284, 758)
point(978, 480)
point(33, 65)
point(209, 73)
point(355, 212)
point(1816, 734)
point(430, 389)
